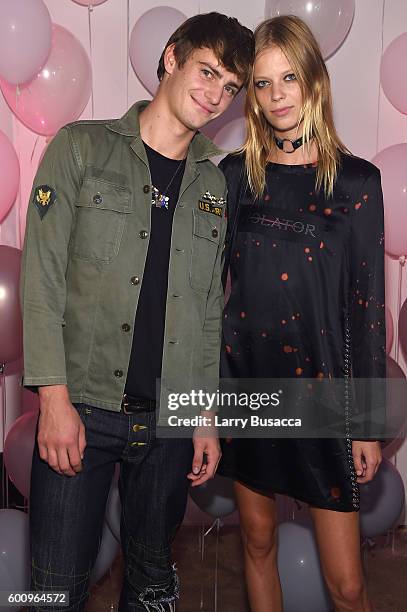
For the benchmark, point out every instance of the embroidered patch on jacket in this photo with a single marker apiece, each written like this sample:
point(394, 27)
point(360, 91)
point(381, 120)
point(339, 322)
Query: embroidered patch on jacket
point(44, 197)
point(211, 204)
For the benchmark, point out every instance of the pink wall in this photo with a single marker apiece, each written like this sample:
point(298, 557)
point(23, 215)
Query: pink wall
point(365, 119)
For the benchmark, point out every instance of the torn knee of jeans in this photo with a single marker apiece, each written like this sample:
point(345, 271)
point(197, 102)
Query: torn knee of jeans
point(155, 596)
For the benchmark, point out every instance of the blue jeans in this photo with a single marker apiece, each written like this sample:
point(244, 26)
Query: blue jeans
point(67, 513)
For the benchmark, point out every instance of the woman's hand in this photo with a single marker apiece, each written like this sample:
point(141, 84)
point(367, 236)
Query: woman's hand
point(367, 457)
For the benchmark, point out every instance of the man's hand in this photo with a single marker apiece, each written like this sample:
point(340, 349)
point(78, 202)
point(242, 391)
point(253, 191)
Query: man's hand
point(367, 457)
point(207, 453)
point(61, 433)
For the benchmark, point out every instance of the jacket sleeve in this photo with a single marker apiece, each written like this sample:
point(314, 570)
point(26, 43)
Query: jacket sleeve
point(367, 311)
point(50, 218)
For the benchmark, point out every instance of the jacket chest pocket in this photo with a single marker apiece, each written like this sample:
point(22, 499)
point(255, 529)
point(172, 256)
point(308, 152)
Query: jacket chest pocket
point(205, 242)
point(101, 212)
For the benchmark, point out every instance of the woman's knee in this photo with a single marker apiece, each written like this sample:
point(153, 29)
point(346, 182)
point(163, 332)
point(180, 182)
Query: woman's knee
point(260, 538)
point(349, 590)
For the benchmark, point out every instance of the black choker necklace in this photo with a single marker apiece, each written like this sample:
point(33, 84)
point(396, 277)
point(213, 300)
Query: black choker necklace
point(291, 147)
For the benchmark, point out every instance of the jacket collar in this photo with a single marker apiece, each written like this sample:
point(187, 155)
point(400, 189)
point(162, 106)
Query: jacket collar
point(200, 149)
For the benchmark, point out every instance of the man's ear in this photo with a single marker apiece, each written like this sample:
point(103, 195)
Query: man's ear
point(169, 59)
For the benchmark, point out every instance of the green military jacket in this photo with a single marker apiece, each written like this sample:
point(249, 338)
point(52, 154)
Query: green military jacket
point(86, 243)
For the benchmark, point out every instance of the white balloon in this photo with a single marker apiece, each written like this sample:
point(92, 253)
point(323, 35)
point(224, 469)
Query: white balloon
point(14, 550)
point(148, 39)
point(25, 39)
point(215, 497)
point(329, 20)
point(381, 501)
point(109, 548)
point(114, 506)
point(300, 572)
point(230, 137)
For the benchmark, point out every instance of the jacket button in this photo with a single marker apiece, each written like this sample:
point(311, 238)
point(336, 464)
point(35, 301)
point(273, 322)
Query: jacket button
point(146, 188)
point(97, 198)
point(118, 373)
point(126, 327)
point(143, 234)
point(134, 280)
point(215, 233)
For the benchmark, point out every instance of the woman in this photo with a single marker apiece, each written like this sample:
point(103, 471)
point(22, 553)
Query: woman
point(307, 301)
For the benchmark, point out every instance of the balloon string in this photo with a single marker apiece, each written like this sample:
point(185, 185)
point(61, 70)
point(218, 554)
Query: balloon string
point(3, 401)
point(18, 211)
point(90, 11)
point(202, 550)
point(34, 147)
point(128, 53)
point(215, 608)
point(379, 86)
point(402, 262)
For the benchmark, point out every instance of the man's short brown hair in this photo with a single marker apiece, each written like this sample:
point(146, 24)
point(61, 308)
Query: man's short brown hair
point(232, 43)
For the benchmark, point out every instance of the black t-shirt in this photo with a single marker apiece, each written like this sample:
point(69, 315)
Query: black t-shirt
point(146, 353)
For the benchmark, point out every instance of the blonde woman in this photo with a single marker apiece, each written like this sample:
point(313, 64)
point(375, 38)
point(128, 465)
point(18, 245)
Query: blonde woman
point(307, 301)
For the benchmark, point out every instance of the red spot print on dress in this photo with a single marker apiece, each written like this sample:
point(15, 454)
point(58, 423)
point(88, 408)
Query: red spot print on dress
point(335, 492)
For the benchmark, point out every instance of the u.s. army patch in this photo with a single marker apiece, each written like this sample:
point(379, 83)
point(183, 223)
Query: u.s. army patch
point(211, 204)
point(210, 208)
point(44, 197)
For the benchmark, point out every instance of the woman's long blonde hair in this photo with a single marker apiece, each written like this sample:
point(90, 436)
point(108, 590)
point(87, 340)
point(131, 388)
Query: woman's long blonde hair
point(298, 44)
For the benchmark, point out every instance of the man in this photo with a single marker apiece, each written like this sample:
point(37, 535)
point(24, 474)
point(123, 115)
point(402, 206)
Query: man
point(121, 286)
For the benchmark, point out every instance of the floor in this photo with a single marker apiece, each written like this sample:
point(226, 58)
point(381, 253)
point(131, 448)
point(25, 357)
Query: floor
point(385, 564)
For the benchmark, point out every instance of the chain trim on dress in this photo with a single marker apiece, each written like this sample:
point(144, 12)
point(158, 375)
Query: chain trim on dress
point(348, 410)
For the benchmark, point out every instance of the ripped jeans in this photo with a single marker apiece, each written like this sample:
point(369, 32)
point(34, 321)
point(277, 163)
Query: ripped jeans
point(67, 513)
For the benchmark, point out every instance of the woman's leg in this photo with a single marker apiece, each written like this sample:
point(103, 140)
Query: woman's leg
point(338, 538)
point(258, 523)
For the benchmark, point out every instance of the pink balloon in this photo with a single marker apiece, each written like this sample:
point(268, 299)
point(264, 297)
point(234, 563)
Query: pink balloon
point(403, 328)
point(60, 92)
point(89, 2)
point(9, 175)
point(392, 66)
point(148, 39)
point(11, 329)
point(25, 39)
point(389, 330)
point(329, 21)
point(18, 451)
point(393, 165)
